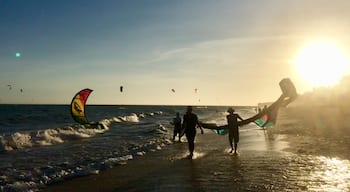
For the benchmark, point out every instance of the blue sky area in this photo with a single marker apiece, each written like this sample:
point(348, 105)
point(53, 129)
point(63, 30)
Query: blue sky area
point(233, 52)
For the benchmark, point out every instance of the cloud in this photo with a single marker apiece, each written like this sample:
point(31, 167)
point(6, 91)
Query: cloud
point(221, 55)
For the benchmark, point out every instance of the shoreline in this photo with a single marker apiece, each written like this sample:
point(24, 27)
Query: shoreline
point(287, 157)
point(169, 168)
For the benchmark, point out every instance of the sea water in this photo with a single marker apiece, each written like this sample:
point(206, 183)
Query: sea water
point(41, 144)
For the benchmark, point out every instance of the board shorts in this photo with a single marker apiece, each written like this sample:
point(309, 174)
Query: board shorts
point(235, 135)
point(190, 134)
point(178, 129)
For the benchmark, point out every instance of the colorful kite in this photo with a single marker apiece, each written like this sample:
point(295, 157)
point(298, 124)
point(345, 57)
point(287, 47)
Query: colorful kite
point(78, 106)
point(268, 116)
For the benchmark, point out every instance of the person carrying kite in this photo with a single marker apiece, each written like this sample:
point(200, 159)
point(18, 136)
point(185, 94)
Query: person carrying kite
point(232, 121)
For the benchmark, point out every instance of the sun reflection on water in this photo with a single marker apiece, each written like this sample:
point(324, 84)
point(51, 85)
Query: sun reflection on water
point(333, 175)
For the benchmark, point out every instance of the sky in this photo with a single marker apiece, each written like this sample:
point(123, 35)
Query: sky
point(232, 52)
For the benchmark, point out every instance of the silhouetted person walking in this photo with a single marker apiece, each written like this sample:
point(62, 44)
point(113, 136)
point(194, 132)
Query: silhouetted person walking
point(190, 121)
point(233, 134)
point(177, 126)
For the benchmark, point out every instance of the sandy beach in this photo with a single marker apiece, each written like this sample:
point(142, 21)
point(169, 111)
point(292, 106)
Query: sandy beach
point(283, 158)
point(314, 131)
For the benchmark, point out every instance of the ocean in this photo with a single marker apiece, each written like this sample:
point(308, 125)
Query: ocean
point(41, 144)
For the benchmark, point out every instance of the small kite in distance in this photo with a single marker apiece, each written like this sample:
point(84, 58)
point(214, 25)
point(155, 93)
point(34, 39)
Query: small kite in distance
point(121, 89)
point(9, 86)
point(173, 90)
point(21, 90)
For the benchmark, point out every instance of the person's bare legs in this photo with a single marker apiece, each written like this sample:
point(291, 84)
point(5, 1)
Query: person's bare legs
point(236, 148)
point(190, 140)
point(230, 138)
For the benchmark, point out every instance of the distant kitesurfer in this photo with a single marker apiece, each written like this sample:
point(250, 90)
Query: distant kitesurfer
point(265, 107)
point(232, 121)
point(177, 126)
point(190, 122)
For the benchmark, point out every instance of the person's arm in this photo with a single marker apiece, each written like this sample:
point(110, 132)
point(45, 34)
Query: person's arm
point(239, 117)
point(200, 126)
point(183, 123)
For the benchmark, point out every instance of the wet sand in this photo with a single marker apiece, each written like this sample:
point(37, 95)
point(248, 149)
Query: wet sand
point(314, 131)
point(266, 161)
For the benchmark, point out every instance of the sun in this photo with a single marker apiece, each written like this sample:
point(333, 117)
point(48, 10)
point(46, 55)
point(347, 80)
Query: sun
point(321, 64)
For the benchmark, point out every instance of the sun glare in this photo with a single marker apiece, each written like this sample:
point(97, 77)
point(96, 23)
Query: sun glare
point(321, 64)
